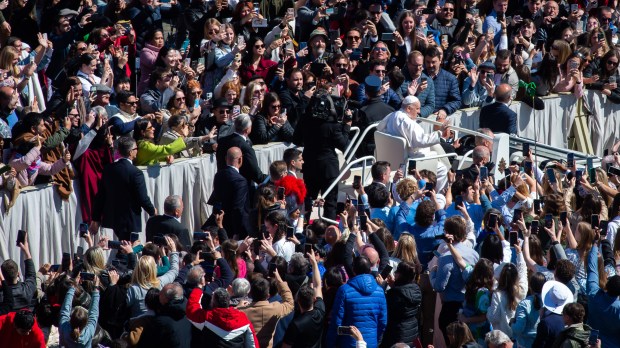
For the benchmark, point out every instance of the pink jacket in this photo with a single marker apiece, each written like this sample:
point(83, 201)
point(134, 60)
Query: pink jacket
point(148, 55)
point(27, 172)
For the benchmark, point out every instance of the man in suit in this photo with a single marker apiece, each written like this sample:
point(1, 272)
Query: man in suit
point(240, 138)
point(232, 191)
point(377, 194)
point(170, 222)
point(497, 116)
point(122, 194)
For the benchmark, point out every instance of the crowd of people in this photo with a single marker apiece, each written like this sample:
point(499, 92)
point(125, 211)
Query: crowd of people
point(418, 258)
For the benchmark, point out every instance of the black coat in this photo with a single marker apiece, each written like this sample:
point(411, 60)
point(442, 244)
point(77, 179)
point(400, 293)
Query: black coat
point(122, 196)
point(164, 224)
point(263, 133)
point(499, 118)
point(403, 304)
point(232, 191)
point(374, 111)
point(169, 328)
point(23, 292)
point(249, 169)
point(295, 105)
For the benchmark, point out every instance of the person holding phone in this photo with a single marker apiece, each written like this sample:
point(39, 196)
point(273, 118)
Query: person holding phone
point(23, 291)
point(609, 77)
point(445, 23)
point(479, 87)
point(278, 244)
point(77, 325)
point(271, 124)
point(571, 75)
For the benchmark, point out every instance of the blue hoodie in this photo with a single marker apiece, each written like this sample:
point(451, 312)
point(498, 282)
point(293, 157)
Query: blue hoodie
point(360, 303)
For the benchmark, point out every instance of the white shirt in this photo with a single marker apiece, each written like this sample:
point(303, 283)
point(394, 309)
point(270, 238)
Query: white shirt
point(86, 82)
point(399, 123)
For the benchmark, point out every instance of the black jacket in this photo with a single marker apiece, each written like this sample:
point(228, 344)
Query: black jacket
point(164, 224)
point(232, 191)
point(263, 133)
point(169, 328)
point(122, 196)
point(295, 105)
point(320, 138)
point(23, 292)
point(403, 304)
point(249, 169)
point(374, 111)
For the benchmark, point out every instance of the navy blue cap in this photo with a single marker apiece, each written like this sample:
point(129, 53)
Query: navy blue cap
point(373, 83)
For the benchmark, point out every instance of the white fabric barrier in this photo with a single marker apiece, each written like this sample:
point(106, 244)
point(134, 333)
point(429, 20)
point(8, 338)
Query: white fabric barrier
point(552, 125)
point(52, 223)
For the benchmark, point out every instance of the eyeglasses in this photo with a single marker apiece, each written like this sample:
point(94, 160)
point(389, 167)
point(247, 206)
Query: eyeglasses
point(609, 62)
point(259, 46)
point(342, 66)
point(74, 115)
point(355, 38)
point(604, 19)
point(447, 9)
point(134, 149)
point(382, 49)
point(180, 98)
point(380, 71)
point(277, 106)
point(214, 32)
point(196, 92)
point(134, 103)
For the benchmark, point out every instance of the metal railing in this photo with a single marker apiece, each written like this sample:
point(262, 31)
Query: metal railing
point(460, 129)
point(359, 142)
point(364, 160)
point(356, 134)
point(544, 150)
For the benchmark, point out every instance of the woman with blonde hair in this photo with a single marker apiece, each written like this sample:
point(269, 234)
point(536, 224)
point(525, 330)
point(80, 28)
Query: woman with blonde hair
point(407, 193)
point(578, 248)
point(19, 78)
point(406, 250)
point(208, 44)
point(253, 98)
point(145, 277)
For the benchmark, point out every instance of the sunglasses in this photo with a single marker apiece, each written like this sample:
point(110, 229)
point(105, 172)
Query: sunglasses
point(259, 46)
point(355, 38)
point(380, 71)
point(342, 66)
point(382, 49)
point(180, 98)
point(609, 62)
point(448, 9)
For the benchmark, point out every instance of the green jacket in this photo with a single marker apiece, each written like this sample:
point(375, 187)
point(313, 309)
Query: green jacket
point(149, 153)
point(574, 336)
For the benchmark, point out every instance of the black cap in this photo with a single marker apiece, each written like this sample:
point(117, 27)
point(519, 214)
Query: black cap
point(221, 103)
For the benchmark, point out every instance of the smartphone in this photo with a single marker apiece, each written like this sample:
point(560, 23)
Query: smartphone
point(513, 237)
point(528, 166)
point(354, 202)
point(357, 181)
point(518, 51)
point(196, 103)
point(280, 193)
point(605, 152)
point(458, 201)
point(66, 260)
point(80, 252)
point(578, 176)
point(534, 226)
point(444, 38)
point(21, 237)
point(592, 175)
point(574, 8)
point(564, 217)
point(526, 149)
point(589, 163)
point(290, 12)
point(206, 257)
point(363, 222)
point(551, 176)
point(83, 229)
point(329, 11)
point(613, 171)
point(134, 236)
point(236, 110)
point(334, 34)
point(537, 206)
point(187, 61)
point(290, 231)
point(307, 248)
point(87, 276)
point(429, 186)
point(593, 337)
point(217, 208)
point(548, 220)
point(517, 214)
point(540, 44)
point(340, 206)
point(200, 235)
point(570, 160)
point(201, 61)
point(159, 240)
point(344, 330)
point(271, 268)
point(54, 268)
point(600, 36)
point(256, 245)
point(386, 271)
point(492, 221)
point(361, 209)
point(484, 173)
point(411, 166)
point(594, 220)
point(302, 45)
point(115, 244)
point(602, 226)
point(387, 36)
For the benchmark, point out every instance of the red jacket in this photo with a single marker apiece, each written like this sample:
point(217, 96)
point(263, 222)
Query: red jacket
point(220, 325)
point(10, 338)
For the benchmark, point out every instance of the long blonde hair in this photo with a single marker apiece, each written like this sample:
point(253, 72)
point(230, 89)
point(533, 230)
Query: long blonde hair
point(7, 55)
point(145, 273)
point(406, 249)
point(94, 260)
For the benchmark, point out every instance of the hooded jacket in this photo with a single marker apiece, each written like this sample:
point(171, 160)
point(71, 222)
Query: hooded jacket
point(9, 337)
point(360, 303)
point(221, 327)
point(574, 336)
point(169, 328)
point(403, 304)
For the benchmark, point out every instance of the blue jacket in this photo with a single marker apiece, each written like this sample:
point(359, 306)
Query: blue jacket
point(425, 236)
point(603, 310)
point(447, 93)
point(360, 302)
point(426, 97)
point(448, 279)
point(390, 97)
point(499, 118)
point(87, 333)
point(526, 321)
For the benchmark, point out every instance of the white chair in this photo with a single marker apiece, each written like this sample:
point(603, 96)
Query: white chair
point(393, 149)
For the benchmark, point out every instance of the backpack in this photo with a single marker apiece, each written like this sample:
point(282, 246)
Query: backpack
point(322, 106)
